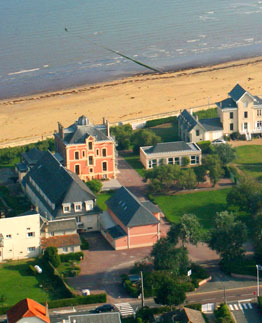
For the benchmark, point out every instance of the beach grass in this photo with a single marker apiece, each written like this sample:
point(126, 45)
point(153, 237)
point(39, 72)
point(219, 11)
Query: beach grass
point(204, 205)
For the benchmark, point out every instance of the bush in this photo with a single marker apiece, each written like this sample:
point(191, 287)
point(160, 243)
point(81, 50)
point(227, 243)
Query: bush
point(84, 243)
point(237, 136)
point(195, 306)
point(131, 288)
point(50, 254)
point(185, 161)
point(205, 147)
point(223, 314)
point(72, 256)
point(79, 300)
point(157, 122)
point(95, 185)
point(32, 269)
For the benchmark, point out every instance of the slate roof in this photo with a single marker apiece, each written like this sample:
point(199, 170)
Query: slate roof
point(188, 120)
point(78, 132)
point(61, 241)
point(237, 92)
point(32, 156)
point(211, 124)
point(129, 210)
point(228, 103)
point(257, 100)
point(61, 225)
point(57, 183)
point(96, 318)
point(22, 168)
point(27, 308)
point(151, 207)
point(116, 232)
point(166, 147)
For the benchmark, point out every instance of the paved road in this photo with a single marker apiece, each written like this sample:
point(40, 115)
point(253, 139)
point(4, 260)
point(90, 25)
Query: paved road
point(245, 312)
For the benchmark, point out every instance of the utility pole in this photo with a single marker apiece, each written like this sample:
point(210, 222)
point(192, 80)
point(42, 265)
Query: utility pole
point(142, 289)
point(225, 295)
point(257, 279)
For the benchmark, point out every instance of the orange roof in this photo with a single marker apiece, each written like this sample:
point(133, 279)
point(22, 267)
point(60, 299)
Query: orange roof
point(61, 241)
point(27, 308)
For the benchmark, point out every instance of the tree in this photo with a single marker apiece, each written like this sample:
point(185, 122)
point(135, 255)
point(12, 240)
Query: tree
point(225, 153)
point(123, 136)
point(200, 172)
point(213, 165)
point(170, 293)
point(187, 179)
point(50, 254)
point(185, 161)
point(95, 185)
point(144, 137)
point(188, 230)
point(228, 236)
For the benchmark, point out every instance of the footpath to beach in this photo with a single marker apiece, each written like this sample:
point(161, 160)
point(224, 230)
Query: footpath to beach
point(131, 98)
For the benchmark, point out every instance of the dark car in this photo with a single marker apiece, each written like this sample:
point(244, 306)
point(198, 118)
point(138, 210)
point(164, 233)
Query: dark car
point(104, 308)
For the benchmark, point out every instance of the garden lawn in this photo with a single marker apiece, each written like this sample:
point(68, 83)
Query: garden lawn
point(249, 160)
point(203, 204)
point(134, 161)
point(102, 198)
point(17, 282)
point(167, 131)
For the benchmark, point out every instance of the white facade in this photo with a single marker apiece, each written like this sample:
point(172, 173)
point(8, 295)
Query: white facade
point(20, 237)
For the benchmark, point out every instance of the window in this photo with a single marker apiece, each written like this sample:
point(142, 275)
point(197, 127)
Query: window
point(104, 176)
point(177, 161)
point(104, 166)
point(89, 205)
point(8, 236)
point(245, 114)
point(90, 145)
point(72, 249)
point(90, 160)
point(231, 126)
point(52, 234)
point(91, 170)
point(30, 234)
point(66, 208)
point(246, 104)
point(83, 153)
point(76, 155)
point(170, 161)
point(104, 152)
point(160, 161)
point(97, 152)
point(65, 249)
point(28, 229)
point(259, 124)
point(259, 113)
point(154, 162)
point(77, 169)
point(78, 207)
point(194, 160)
point(78, 219)
point(245, 125)
point(30, 249)
point(231, 115)
point(197, 132)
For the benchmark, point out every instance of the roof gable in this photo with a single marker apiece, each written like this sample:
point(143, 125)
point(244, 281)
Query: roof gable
point(237, 92)
point(129, 209)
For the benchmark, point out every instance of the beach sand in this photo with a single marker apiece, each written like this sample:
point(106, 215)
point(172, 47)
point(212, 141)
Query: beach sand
point(37, 116)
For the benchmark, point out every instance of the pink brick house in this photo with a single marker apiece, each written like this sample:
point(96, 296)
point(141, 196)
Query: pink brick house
point(87, 150)
point(130, 223)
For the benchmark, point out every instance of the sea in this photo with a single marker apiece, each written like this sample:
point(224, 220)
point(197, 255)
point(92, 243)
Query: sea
point(49, 45)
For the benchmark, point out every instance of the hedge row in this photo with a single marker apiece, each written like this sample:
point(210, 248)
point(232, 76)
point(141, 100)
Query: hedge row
point(72, 256)
point(157, 122)
point(79, 300)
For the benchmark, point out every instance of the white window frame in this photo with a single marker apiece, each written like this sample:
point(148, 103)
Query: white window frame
point(259, 124)
point(193, 160)
point(65, 249)
point(177, 160)
point(89, 205)
point(78, 204)
point(67, 205)
point(31, 249)
point(30, 234)
point(259, 113)
point(170, 161)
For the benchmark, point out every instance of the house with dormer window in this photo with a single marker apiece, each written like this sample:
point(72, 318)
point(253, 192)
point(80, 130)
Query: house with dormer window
point(58, 193)
point(86, 149)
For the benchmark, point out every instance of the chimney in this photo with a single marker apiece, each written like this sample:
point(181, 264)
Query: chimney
point(61, 130)
point(104, 120)
point(46, 309)
point(196, 117)
point(108, 128)
point(191, 111)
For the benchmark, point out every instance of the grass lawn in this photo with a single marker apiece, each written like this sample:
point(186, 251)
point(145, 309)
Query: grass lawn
point(167, 131)
point(206, 114)
point(203, 204)
point(17, 282)
point(101, 199)
point(249, 160)
point(134, 161)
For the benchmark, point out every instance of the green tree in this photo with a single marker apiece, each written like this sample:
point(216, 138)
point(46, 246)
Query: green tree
point(50, 254)
point(188, 230)
point(123, 136)
point(227, 237)
point(95, 185)
point(170, 293)
point(225, 153)
point(185, 161)
point(200, 172)
point(187, 179)
point(142, 138)
point(213, 165)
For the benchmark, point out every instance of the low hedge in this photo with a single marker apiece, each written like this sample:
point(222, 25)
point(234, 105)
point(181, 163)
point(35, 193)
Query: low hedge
point(157, 122)
point(72, 256)
point(79, 300)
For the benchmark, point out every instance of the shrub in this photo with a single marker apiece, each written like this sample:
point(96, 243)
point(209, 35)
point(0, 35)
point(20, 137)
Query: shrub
point(79, 300)
point(185, 161)
point(50, 254)
point(95, 185)
point(157, 122)
point(237, 136)
point(205, 147)
point(84, 243)
point(131, 288)
point(223, 314)
point(72, 256)
point(32, 269)
point(195, 306)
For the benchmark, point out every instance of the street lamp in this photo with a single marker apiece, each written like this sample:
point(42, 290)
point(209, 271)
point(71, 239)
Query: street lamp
point(259, 267)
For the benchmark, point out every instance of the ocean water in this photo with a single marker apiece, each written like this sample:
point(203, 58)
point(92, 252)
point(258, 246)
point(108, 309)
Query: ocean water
point(37, 53)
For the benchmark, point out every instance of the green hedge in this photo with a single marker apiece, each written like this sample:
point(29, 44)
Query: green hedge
point(80, 300)
point(223, 314)
point(4, 309)
point(195, 306)
point(71, 256)
point(205, 146)
point(157, 122)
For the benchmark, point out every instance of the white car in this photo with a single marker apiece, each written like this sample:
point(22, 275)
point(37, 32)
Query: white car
point(218, 141)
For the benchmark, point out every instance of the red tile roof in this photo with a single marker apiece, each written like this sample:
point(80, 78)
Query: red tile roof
point(61, 241)
point(27, 308)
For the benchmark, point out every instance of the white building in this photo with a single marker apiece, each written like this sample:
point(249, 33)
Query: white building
point(20, 236)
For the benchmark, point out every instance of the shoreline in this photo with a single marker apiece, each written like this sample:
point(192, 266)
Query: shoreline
point(127, 98)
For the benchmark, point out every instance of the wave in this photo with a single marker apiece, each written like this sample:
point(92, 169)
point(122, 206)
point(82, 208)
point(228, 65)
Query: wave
point(192, 40)
point(25, 71)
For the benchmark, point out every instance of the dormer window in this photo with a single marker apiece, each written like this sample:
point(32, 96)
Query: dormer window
point(78, 207)
point(89, 205)
point(66, 208)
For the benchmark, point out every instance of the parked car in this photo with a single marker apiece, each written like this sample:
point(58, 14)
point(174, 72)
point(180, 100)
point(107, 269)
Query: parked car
point(218, 141)
point(104, 308)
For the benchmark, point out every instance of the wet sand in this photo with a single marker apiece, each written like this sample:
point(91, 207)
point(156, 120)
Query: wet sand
point(28, 118)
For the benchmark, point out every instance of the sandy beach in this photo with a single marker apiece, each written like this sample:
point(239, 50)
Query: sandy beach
point(36, 116)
